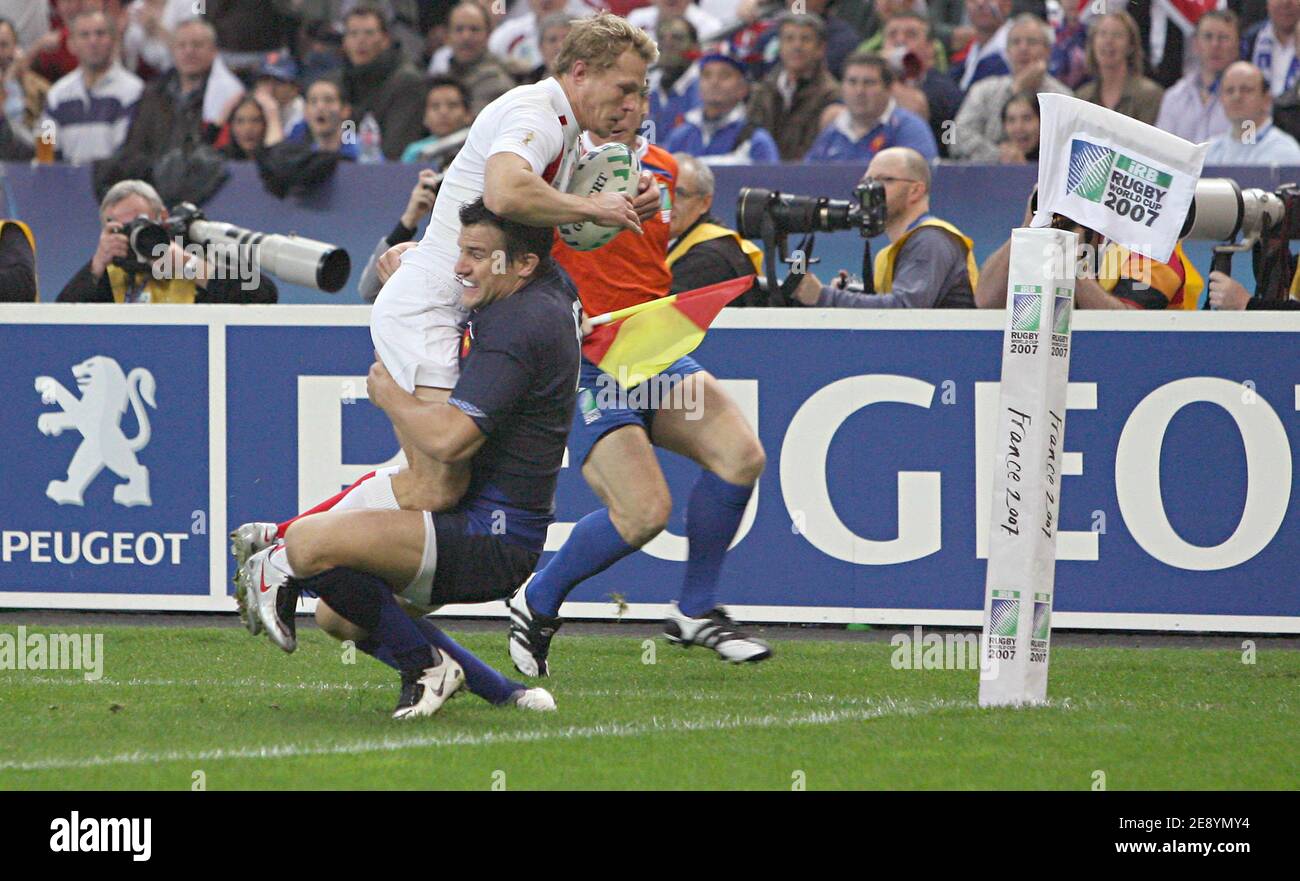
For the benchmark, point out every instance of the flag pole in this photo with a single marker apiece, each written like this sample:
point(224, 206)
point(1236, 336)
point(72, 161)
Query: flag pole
point(610, 317)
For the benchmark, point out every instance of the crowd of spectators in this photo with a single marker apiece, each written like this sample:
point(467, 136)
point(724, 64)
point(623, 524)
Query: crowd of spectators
point(299, 85)
point(737, 81)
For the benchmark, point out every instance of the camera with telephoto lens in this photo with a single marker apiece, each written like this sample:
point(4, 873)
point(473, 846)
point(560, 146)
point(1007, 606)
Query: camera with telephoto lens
point(290, 258)
point(1252, 220)
point(761, 212)
point(771, 217)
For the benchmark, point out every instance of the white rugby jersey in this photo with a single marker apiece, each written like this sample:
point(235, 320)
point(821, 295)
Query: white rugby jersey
point(535, 122)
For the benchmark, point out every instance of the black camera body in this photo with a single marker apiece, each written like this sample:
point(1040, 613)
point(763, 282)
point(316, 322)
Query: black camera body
point(145, 237)
point(764, 213)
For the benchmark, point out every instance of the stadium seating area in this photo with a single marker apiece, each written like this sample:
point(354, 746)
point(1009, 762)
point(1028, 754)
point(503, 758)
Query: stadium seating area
point(293, 88)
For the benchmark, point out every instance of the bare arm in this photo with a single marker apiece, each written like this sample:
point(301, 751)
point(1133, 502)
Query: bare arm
point(1089, 295)
point(438, 430)
point(991, 290)
point(513, 190)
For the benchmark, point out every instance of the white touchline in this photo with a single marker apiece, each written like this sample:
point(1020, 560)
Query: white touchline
point(656, 725)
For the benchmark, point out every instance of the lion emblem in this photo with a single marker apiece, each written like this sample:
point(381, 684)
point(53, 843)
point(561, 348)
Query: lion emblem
point(97, 415)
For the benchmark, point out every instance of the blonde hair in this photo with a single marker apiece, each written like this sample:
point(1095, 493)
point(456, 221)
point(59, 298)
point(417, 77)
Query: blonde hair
point(1136, 58)
point(601, 40)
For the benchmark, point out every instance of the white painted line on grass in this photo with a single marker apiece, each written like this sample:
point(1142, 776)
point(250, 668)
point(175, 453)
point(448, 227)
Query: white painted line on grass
point(655, 725)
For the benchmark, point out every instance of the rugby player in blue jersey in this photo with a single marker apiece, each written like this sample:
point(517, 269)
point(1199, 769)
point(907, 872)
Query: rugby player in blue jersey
point(508, 417)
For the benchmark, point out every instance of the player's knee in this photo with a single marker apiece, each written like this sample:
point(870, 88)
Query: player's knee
point(335, 625)
point(641, 523)
point(744, 465)
point(306, 553)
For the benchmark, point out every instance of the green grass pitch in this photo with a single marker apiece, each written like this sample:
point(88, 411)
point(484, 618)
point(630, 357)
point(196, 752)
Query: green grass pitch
point(827, 714)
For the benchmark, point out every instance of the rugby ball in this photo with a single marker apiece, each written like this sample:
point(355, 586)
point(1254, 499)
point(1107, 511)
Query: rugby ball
point(610, 168)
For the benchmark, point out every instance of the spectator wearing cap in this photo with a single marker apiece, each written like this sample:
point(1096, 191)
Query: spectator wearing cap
point(979, 135)
point(799, 97)
point(675, 79)
point(377, 80)
point(277, 80)
point(447, 117)
point(189, 103)
point(647, 18)
point(92, 107)
point(986, 54)
point(467, 57)
point(320, 49)
point(719, 131)
point(871, 120)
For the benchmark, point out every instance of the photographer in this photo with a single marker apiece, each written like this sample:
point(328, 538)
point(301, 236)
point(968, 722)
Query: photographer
point(116, 275)
point(929, 263)
point(417, 209)
point(1123, 280)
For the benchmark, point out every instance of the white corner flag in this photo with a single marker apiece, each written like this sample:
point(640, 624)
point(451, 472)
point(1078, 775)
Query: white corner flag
point(1027, 476)
point(1129, 181)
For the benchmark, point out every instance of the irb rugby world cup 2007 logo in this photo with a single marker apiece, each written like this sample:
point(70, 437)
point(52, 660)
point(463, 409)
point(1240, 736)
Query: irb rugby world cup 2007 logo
point(1026, 317)
point(1131, 188)
point(1003, 626)
point(1061, 310)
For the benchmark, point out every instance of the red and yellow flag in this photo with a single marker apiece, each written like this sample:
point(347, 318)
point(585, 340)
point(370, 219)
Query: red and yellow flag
point(635, 343)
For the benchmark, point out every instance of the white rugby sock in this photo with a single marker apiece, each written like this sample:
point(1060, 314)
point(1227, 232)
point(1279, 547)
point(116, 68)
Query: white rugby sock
point(375, 494)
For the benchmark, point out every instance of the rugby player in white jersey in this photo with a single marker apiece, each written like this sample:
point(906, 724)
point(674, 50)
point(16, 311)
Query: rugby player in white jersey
point(518, 158)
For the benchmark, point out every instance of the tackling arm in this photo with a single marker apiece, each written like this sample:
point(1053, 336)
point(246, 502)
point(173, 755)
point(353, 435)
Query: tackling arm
point(437, 430)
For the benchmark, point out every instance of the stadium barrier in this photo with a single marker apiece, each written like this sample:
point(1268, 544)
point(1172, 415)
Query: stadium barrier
point(362, 202)
point(1179, 508)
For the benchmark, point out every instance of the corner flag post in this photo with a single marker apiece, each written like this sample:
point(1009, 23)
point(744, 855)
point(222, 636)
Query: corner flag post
point(1027, 471)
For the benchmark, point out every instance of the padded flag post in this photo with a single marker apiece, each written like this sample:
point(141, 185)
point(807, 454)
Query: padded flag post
point(1027, 470)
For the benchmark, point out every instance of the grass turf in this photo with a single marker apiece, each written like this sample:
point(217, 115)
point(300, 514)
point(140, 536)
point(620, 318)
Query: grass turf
point(176, 701)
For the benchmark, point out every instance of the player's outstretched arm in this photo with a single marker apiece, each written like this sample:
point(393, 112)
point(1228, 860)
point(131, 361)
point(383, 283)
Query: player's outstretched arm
point(438, 430)
point(514, 191)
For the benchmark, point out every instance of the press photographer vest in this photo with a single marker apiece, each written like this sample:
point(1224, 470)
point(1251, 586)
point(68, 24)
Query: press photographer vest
point(884, 269)
point(140, 290)
point(707, 232)
point(31, 241)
